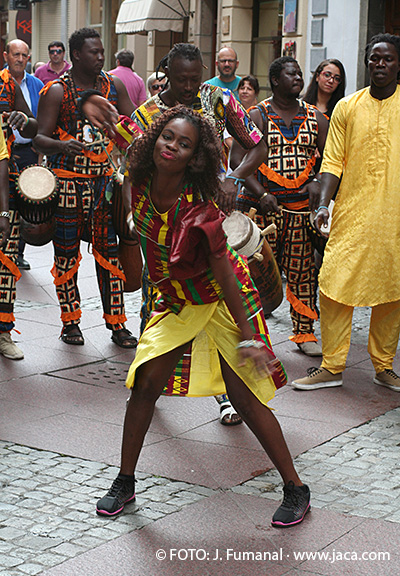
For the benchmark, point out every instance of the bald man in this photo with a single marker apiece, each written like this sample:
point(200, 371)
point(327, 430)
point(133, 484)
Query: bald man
point(17, 57)
point(226, 63)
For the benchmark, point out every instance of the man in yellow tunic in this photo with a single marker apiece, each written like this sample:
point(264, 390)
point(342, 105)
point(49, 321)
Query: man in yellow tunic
point(361, 263)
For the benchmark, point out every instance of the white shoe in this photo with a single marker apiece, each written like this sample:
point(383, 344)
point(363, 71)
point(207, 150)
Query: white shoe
point(318, 378)
point(8, 348)
point(310, 348)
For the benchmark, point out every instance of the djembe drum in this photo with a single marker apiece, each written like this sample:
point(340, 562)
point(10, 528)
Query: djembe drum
point(248, 240)
point(37, 200)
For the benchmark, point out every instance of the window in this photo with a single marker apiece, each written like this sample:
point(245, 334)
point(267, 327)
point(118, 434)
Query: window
point(267, 40)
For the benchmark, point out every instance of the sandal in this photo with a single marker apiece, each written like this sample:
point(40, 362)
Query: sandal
point(124, 338)
point(71, 334)
point(228, 415)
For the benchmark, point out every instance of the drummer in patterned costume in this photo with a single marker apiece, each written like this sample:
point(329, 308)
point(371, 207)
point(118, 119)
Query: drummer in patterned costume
point(17, 115)
point(174, 170)
point(286, 189)
point(85, 172)
point(184, 68)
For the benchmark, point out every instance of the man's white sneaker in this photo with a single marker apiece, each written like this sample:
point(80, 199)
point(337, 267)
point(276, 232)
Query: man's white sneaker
point(8, 348)
point(318, 378)
point(389, 379)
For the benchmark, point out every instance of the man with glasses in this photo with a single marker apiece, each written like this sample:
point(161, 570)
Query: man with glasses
point(227, 64)
point(56, 66)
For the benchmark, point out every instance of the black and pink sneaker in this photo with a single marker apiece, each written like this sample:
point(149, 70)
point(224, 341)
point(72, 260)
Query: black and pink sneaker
point(121, 493)
point(295, 505)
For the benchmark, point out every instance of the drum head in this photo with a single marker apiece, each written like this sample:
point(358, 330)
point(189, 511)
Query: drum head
point(238, 229)
point(37, 183)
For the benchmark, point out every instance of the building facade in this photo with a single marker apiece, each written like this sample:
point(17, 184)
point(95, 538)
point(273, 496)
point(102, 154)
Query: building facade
point(259, 30)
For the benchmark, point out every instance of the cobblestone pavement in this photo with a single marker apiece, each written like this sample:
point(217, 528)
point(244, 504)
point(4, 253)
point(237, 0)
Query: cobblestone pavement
point(47, 500)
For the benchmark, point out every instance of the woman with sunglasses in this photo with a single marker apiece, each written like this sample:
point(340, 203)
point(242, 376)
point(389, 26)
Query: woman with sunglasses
point(327, 86)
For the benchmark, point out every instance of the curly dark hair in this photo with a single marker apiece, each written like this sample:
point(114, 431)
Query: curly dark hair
point(203, 174)
point(311, 95)
point(377, 39)
point(77, 39)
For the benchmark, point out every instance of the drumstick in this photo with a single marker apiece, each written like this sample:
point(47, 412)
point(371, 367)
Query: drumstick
point(268, 229)
point(252, 213)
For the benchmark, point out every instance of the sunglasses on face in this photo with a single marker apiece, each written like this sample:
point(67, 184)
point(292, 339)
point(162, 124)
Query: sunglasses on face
point(227, 60)
point(329, 76)
point(56, 51)
point(157, 86)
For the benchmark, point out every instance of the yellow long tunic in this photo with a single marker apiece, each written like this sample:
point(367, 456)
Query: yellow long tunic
point(361, 264)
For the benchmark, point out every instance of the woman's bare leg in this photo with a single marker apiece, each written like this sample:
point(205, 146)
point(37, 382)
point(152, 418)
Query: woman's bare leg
point(150, 380)
point(261, 422)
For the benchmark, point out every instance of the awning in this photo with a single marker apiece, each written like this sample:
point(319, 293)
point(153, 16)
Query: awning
point(144, 15)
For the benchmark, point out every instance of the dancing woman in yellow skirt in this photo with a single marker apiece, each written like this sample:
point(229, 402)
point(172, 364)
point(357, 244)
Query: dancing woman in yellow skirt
point(207, 304)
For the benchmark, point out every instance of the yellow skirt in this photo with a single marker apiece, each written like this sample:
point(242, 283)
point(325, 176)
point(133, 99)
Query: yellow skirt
point(212, 329)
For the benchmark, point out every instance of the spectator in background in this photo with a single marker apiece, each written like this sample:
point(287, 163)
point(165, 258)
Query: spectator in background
point(227, 64)
point(248, 90)
point(156, 83)
point(56, 66)
point(133, 82)
point(37, 65)
point(327, 86)
point(17, 57)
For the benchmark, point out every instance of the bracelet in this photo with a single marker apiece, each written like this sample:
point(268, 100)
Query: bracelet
point(237, 180)
point(316, 180)
point(250, 344)
point(320, 208)
point(5, 214)
point(264, 195)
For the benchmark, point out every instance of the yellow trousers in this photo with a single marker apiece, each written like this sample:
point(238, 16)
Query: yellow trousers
point(384, 331)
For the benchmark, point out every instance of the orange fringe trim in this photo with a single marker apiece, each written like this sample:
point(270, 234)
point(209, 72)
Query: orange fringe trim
point(8, 263)
point(46, 87)
point(288, 182)
point(58, 280)
point(108, 266)
point(7, 317)
point(300, 338)
point(300, 307)
point(119, 319)
point(70, 316)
